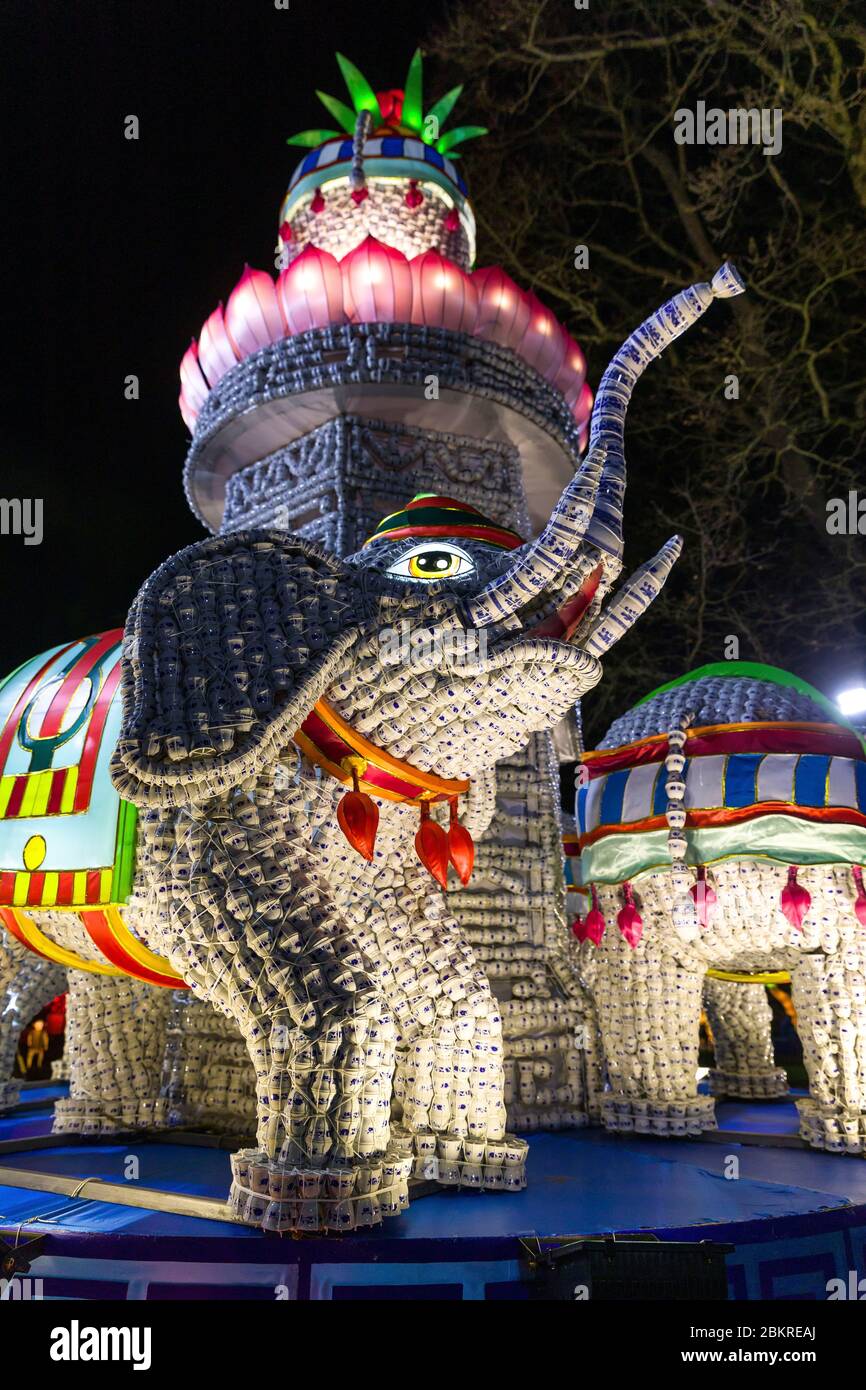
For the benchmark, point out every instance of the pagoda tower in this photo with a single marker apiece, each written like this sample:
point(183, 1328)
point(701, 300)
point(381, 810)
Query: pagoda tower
point(379, 364)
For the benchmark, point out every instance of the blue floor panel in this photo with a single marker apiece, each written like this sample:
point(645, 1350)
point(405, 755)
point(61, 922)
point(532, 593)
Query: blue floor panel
point(583, 1182)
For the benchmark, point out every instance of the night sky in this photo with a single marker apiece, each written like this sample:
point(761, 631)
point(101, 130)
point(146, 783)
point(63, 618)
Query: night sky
point(118, 250)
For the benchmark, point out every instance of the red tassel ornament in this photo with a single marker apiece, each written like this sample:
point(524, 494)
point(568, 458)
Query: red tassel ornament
point(629, 919)
point(451, 221)
point(595, 923)
point(860, 901)
point(795, 900)
point(414, 197)
point(359, 195)
point(318, 202)
point(357, 813)
point(704, 897)
point(431, 846)
point(578, 928)
point(461, 847)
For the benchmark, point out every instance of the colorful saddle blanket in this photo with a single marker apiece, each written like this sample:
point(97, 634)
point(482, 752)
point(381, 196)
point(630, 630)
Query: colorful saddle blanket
point(66, 838)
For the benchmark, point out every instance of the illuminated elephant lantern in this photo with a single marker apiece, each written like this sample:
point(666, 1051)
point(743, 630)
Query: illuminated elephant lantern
point(302, 786)
point(723, 828)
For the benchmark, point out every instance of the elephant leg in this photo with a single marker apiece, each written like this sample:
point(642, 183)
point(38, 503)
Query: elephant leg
point(234, 900)
point(829, 994)
point(115, 1039)
point(740, 1016)
point(27, 984)
point(207, 1078)
point(649, 1010)
point(449, 1083)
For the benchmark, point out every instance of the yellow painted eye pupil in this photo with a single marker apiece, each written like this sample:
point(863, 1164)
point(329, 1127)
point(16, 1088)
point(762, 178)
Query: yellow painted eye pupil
point(434, 564)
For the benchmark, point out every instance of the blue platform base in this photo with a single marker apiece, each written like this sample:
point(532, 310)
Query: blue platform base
point(795, 1217)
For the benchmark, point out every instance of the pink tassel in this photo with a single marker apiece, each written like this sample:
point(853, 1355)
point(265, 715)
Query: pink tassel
point(578, 926)
point(628, 918)
point(860, 902)
point(795, 900)
point(595, 924)
point(704, 898)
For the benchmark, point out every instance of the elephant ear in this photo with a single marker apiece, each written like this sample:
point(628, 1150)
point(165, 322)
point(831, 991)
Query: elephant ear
point(227, 648)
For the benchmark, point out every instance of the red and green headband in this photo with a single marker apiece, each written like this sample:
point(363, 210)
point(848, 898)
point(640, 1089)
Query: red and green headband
point(430, 515)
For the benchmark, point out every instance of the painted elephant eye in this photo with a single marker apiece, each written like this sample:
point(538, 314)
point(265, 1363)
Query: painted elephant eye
point(434, 560)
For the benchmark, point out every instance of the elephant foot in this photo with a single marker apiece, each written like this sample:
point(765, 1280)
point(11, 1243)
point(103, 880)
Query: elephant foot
point(454, 1160)
point(832, 1128)
point(10, 1095)
point(679, 1118)
point(281, 1196)
point(90, 1117)
point(748, 1085)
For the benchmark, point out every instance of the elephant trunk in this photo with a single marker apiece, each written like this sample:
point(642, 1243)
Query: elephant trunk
point(614, 393)
point(539, 565)
point(590, 509)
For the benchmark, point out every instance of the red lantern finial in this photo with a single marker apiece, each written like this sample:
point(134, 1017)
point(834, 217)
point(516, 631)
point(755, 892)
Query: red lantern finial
point(461, 849)
point(357, 813)
point(431, 846)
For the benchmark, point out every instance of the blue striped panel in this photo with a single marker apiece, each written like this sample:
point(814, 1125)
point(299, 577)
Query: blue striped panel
point(345, 151)
point(810, 780)
point(611, 797)
point(309, 163)
point(580, 809)
point(392, 146)
point(741, 779)
point(860, 774)
point(660, 796)
point(433, 157)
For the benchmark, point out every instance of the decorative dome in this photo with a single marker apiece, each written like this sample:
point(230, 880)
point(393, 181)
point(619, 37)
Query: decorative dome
point(768, 767)
point(389, 172)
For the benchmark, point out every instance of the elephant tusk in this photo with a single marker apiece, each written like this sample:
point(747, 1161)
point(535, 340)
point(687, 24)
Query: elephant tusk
point(633, 599)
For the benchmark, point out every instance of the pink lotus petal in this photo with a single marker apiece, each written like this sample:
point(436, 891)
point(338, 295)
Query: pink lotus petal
point(215, 352)
point(192, 379)
point(377, 283)
point(503, 309)
point(443, 295)
point(253, 319)
point(543, 344)
point(310, 291)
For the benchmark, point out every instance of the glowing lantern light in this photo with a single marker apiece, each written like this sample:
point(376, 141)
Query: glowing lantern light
point(253, 319)
point(377, 284)
point(443, 296)
point(543, 345)
point(215, 352)
point(570, 377)
point(583, 407)
point(503, 310)
point(194, 387)
point(189, 412)
point(311, 291)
